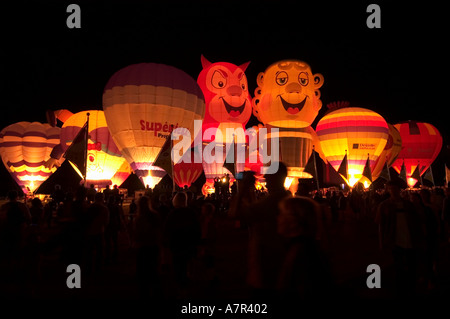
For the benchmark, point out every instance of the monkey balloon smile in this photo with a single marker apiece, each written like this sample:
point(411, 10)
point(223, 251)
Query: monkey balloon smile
point(292, 108)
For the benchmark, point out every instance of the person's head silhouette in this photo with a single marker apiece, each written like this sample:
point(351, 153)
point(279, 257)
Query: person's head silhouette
point(276, 180)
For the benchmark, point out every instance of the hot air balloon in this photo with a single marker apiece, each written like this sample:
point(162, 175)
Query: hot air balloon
point(390, 152)
point(288, 98)
point(143, 104)
point(358, 132)
point(186, 171)
point(228, 109)
point(421, 144)
point(103, 157)
point(24, 148)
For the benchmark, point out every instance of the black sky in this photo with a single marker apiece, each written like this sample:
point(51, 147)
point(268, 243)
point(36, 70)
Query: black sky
point(396, 70)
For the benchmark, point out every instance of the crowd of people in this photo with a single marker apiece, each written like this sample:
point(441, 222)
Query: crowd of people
point(173, 234)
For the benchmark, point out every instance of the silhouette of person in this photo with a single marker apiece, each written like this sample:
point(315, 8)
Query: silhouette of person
point(265, 244)
point(182, 235)
point(112, 229)
point(97, 221)
point(305, 271)
point(399, 230)
point(91, 193)
point(15, 218)
point(147, 240)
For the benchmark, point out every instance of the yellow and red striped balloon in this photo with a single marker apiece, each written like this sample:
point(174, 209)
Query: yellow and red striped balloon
point(359, 132)
point(24, 148)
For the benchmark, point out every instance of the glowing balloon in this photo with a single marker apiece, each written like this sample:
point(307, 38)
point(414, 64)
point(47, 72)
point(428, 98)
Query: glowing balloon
point(421, 144)
point(390, 152)
point(24, 148)
point(288, 98)
point(103, 157)
point(186, 172)
point(360, 132)
point(143, 103)
point(122, 174)
point(288, 95)
point(227, 100)
point(228, 109)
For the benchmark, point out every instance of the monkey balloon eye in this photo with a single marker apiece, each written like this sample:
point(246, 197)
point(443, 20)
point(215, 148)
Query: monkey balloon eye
point(218, 80)
point(303, 78)
point(282, 78)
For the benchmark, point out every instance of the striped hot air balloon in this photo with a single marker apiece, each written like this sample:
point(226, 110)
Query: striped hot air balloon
point(143, 104)
point(24, 148)
point(421, 144)
point(358, 132)
point(390, 152)
point(103, 157)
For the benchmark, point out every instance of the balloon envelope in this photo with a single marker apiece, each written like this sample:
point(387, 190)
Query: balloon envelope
point(24, 148)
point(103, 157)
point(390, 152)
point(421, 144)
point(358, 132)
point(143, 104)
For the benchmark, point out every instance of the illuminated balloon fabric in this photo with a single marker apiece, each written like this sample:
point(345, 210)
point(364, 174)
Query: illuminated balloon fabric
point(288, 95)
point(215, 168)
point(153, 176)
point(295, 147)
point(359, 131)
point(186, 172)
point(103, 157)
point(390, 152)
point(143, 103)
point(24, 148)
point(421, 144)
point(122, 174)
point(288, 98)
point(227, 100)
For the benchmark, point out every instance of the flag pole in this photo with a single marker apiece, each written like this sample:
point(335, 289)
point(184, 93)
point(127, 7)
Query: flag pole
point(171, 164)
point(420, 177)
point(315, 167)
point(86, 147)
point(387, 168)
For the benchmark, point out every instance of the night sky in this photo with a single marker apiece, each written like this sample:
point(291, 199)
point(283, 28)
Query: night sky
point(395, 71)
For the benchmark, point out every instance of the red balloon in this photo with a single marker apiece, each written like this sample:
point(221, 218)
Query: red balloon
point(187, 172)
point(421, 144)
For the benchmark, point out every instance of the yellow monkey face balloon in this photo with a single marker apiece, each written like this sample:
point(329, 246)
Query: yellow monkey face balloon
point(288, 95)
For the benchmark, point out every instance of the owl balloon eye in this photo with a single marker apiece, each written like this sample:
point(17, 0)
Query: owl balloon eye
point(218, 80)
point(282, 78)
point(243, 83)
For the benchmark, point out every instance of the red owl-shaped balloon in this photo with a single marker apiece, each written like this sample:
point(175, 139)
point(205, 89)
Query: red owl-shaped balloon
point(227, 100)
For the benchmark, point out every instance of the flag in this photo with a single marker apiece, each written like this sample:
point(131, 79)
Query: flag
point(343, 170)
point(367, 172)
point(402, 173)
point(385, 172)
point(428, 175)
point(164, 159)
point(416, 174)
point(311, 167)
point(76, 154)
point(230, 160)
